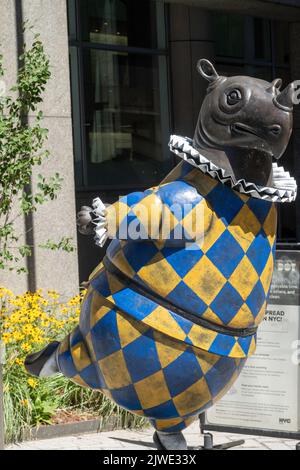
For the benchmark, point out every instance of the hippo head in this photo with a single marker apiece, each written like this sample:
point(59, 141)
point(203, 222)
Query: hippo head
point(244, 113)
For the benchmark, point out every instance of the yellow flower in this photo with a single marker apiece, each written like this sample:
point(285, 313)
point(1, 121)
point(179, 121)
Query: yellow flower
point(32, 382)
point(19, 361)
point(26, 347)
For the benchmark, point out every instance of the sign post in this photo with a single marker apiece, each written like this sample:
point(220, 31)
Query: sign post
point(265, 398)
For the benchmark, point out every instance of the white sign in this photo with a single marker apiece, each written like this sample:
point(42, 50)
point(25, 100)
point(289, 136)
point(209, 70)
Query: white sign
point(267, 393)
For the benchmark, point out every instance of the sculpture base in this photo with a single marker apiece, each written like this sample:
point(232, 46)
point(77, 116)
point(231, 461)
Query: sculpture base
point(209, 443)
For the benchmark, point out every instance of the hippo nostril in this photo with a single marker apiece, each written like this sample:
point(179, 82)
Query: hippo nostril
point(275, 130)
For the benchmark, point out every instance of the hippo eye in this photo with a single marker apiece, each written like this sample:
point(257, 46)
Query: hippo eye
point(234, 97)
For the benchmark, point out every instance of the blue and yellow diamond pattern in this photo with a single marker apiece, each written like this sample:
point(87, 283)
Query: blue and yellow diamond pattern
point(140, 351)
point(223, 275)
point(143, 370)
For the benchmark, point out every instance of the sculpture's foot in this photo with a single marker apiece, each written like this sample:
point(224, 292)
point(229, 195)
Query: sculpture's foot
point(43, 363)
point(169, 441)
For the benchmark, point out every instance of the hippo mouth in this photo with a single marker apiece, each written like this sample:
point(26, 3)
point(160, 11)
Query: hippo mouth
point(240, 128)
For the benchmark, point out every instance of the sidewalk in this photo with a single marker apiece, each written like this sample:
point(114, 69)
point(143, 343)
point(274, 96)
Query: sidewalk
point(142, 440)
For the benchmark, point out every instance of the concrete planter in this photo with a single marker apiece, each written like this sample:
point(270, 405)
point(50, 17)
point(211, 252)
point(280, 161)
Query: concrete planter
point(68, 429)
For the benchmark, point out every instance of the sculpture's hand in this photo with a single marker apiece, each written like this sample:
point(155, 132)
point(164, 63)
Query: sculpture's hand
point(100, 221)
point(85, 221)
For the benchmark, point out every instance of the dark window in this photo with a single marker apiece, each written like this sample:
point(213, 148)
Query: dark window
point(119, 79)
point(122, 22)
point(259, 47)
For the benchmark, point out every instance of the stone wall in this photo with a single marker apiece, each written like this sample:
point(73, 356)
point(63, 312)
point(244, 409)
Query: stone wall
point(51, 270)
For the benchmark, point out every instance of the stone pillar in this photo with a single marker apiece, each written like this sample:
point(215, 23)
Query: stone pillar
point(52, 269)
point(8, 47)
point(191, 38)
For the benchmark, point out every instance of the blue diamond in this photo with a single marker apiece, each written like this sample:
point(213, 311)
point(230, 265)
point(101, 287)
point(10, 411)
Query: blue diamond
point(226, 254)
point(165, 411)
point(260, 208)
point(227, 304)
point(127, 398)
point(259, 251)
point(225, 203)
point(256, 299)
point(182, 260)
point(182, 373)
point(105, 336)
point(141, 357)
point(220, 374)
point(185, 298)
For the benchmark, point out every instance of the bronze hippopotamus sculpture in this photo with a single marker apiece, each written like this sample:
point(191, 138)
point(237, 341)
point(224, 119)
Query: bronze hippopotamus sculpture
point(171, 314)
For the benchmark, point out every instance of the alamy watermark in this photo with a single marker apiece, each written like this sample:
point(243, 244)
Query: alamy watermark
point(176, 222)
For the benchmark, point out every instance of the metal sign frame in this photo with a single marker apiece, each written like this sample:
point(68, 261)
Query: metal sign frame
point(295, 435)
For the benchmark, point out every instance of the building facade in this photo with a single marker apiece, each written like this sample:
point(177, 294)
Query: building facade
point(123, 79)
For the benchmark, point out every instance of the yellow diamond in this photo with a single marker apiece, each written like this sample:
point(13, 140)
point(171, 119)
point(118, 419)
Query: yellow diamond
point(97, 301)
point(205, 280)
point(169, 222)
point(121, 262)
point(261, 314)
point(202, 337)
point(149, 212)
point(128, 329)
point(99, 314)
point(243, 319)
point(206, 360)
point(116, 213)
point(161, 424)
point(266, 275)
point(167, 349)
point(80, 357)
point(79, 381)
point(159, 273)
point(237, 351)
point(90, 346)
point(193, 398)
point(114, 284)
point(204, 184)
point(152, 391)
point(114, 370)
point(161, 320)
point(195, 223)
point(270, 225)
point(244, 278)
point(211, 316)
point(213, 229)
point(244, 227)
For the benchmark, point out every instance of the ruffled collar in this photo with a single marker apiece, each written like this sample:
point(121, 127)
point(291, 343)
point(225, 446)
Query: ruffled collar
point(284, 187)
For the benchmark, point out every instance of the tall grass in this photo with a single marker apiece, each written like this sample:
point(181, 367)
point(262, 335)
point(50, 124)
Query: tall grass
point(25, 407)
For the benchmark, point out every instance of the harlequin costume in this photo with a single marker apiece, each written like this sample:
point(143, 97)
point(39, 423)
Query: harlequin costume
point(171, 314)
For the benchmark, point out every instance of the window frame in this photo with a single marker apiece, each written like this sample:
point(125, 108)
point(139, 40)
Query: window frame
point(77, 46)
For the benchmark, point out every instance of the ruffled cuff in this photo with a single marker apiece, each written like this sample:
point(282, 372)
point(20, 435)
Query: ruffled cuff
point(100, 220)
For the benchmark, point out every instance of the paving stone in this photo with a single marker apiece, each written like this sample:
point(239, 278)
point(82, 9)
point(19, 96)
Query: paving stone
point(142, 440)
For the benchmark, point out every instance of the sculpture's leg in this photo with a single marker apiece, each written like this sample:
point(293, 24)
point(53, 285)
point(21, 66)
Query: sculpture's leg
point(168, 435)
point(43, 363)
point(169, 441)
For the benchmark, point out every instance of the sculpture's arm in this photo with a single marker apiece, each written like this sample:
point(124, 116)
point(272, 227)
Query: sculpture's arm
point(136, 217)
point(167, 212)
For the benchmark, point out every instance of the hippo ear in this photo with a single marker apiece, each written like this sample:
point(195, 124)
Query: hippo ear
point(207, 70)
point(275, 86)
